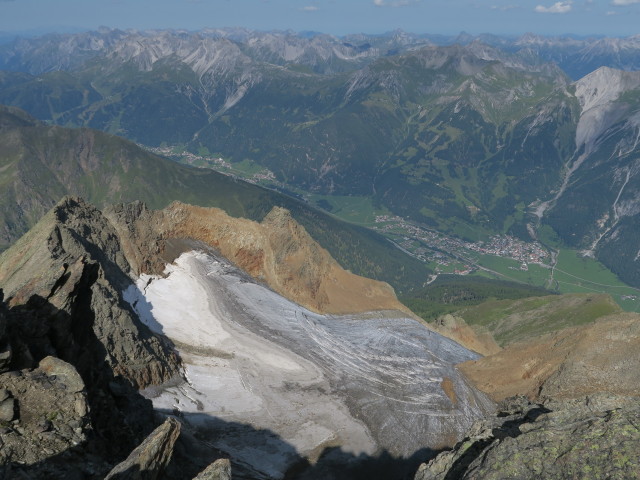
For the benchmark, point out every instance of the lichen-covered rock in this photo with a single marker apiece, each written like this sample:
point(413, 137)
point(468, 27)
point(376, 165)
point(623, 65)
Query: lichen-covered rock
point(218, 470)
point(63, 372)
point(7, 406)
point(50, 416)
point(590, 439)
point(150, 458)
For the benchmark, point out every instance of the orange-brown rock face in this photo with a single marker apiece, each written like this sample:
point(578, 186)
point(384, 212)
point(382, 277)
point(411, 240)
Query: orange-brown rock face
point(571, 363)
point(277, 251)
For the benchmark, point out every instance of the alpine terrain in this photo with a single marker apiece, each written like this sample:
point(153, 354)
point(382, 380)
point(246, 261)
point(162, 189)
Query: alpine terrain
point(229, 253)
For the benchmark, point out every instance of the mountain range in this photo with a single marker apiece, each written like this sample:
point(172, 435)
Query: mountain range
point(470, 139)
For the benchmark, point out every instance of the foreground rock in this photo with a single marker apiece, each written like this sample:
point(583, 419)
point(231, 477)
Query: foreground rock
point(150, 458)
point(43, 412)
point(590, 439)
point(69, 333)
point(218, 470)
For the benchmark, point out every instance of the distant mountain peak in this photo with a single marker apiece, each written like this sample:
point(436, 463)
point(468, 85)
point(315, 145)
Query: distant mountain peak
point(604, 85)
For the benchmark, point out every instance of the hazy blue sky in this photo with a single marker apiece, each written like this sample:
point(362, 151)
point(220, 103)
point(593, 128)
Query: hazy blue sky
point(608, 17)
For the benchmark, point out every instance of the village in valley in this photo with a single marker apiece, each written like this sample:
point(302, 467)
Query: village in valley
point(446, 251)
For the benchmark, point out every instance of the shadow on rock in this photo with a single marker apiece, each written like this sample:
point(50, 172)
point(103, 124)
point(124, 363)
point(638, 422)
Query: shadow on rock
point(81, 429)
point(263, 454)
point(73, 416)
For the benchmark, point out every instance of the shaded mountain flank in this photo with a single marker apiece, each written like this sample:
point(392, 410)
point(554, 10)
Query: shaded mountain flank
point(39, 164)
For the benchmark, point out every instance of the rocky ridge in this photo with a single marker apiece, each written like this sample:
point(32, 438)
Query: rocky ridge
point(277, 251)
point(77, 278)
point(78, 354)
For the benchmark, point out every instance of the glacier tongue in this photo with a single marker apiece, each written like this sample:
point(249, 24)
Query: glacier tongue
point(364, 382)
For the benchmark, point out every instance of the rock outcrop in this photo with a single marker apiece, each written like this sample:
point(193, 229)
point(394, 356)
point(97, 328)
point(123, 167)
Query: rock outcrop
point(218, 470)
point(455, 328)
point(150, 458)
point(44, 413)
point(277, 251)
point(62, 281)
point(592, 438)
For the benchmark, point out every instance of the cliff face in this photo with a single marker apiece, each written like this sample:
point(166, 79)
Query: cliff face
point(71, 266)
point(277, 251)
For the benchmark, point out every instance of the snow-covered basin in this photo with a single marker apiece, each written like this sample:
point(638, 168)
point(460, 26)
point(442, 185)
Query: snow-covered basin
point(362, 382)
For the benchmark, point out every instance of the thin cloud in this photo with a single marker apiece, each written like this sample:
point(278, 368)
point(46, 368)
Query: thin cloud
point(504, 8)
point(558, 7)
point(395, 3)
point(310, 8)
point(622, 3)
